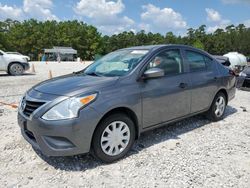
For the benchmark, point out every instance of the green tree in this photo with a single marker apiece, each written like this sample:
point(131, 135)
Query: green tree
point(198, 44)
point(31, 37)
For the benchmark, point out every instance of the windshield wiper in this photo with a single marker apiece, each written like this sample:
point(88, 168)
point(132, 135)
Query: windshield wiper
point(92, 74)
point(78, 72)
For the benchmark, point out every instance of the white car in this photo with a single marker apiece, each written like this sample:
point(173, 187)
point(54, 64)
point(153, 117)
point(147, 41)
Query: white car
point(17, 53)
point(13, 64)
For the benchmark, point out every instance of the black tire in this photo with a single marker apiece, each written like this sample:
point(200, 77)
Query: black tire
point(97, 150)
point(8, 72)
point(16, 69)
point(211, 113)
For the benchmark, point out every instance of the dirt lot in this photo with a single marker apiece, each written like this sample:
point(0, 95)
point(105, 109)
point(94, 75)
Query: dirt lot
point(190, 153)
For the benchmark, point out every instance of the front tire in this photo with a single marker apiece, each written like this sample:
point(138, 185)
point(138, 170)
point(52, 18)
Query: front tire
point(113, 138)
point(217, 109)
point(16, 69)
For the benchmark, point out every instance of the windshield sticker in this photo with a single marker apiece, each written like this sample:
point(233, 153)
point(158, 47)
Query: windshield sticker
point(139, 52)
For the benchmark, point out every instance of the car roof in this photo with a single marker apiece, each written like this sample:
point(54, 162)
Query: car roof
point(12, 52)
point(155, 47)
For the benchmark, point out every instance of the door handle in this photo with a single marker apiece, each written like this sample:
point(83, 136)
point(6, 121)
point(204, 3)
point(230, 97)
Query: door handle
point(183, 85)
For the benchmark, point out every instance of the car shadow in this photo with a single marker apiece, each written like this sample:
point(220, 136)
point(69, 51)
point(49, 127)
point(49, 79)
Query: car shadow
point(245, 89)
point(24, 74)
point(147, 139)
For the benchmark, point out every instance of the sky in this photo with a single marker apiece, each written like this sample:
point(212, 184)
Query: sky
point(114, 16)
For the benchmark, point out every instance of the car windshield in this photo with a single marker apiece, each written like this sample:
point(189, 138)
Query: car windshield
point(2, 52)
point(118, 63)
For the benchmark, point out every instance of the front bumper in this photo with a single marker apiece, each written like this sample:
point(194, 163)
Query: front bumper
point(60, 138)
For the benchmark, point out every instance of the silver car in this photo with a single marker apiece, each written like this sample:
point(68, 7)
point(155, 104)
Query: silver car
point(106, 106)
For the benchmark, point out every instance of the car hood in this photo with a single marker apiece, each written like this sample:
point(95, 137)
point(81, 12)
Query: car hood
point(13, 57)
point(72, 84)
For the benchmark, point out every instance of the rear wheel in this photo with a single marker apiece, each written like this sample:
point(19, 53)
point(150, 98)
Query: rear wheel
point(113, 138)
point(217, 108)
point(16, 69)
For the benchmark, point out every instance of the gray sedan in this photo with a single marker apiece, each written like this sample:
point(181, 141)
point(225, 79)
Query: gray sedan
point(106, 106)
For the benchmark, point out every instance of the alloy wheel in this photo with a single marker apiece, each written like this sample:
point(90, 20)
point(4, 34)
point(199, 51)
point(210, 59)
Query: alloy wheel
point(219, 106)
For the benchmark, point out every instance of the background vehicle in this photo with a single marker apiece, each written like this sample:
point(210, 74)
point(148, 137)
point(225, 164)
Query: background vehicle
point(106, 106)
point(243, 81)
point(237, 61)
point(248, 59)
point(17, 53)
point(13, 64)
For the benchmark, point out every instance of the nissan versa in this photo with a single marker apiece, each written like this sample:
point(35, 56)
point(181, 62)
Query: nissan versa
point(104, 108)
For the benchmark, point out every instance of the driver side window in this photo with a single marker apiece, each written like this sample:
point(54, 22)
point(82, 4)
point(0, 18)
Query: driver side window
point(168, 60)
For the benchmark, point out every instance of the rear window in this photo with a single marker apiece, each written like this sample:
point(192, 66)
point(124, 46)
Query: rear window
point(197, 61)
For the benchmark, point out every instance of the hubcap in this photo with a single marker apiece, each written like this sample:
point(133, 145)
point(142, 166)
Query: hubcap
point(17, 69)
point(115, 138)
point(220, 106)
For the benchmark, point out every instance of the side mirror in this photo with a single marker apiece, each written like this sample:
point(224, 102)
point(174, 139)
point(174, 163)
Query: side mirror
point(153, 73)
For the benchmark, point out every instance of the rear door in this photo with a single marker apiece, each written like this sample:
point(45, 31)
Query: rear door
point(203, 75)
point(167, 97)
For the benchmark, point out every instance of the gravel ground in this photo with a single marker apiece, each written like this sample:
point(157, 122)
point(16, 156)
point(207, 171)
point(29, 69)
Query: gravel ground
point(191, 153)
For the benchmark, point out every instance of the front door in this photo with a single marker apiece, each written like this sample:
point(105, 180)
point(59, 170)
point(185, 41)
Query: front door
point(165, 98)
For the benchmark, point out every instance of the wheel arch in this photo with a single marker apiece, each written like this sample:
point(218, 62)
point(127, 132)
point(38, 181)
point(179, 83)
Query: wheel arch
point(13, 62)
point(224, 91)
point(125, 110)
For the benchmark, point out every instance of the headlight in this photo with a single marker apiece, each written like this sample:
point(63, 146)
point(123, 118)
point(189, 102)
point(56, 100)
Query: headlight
point(69, 108)
point(243, 74)
point(20, 103)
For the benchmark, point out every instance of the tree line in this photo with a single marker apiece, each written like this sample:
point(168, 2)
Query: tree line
point(31, 37)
